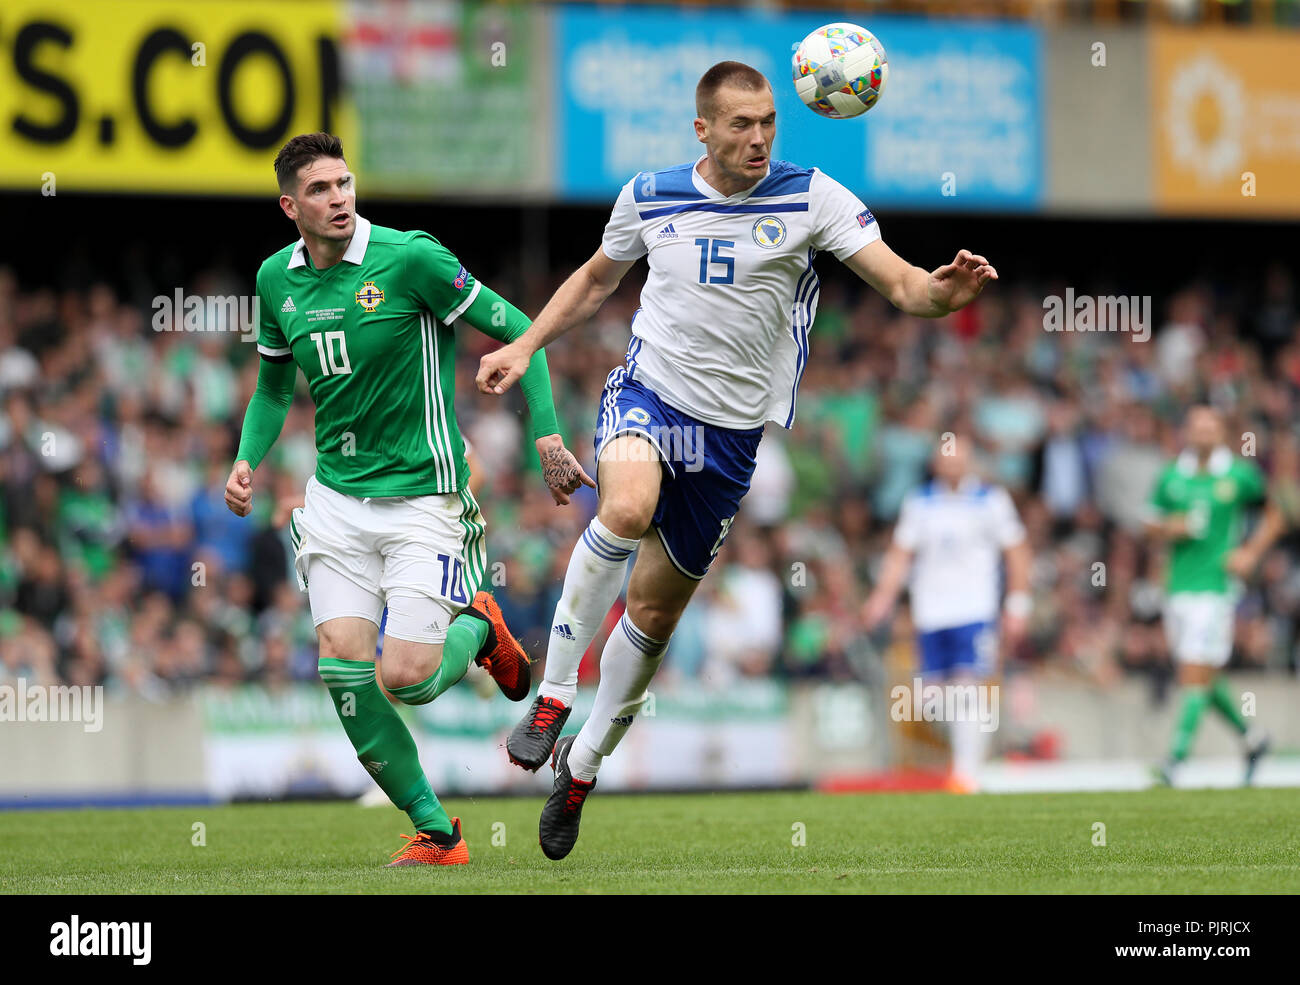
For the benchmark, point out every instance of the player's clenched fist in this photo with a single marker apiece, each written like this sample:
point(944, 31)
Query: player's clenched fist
point(498, 370)
point(239, 489)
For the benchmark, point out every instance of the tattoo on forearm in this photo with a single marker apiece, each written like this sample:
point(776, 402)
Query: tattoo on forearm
point(559, 468)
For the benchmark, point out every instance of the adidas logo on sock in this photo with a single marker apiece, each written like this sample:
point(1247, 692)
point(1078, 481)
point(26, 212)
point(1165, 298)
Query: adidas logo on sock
point(668, 232)
point(288, 305)
point(376, 768)
point(564, 632)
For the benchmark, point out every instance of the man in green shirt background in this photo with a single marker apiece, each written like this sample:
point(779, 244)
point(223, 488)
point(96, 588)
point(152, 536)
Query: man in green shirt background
point(368, 314)
point(1197, 507)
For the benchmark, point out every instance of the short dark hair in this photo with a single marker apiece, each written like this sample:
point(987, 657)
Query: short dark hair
point(736, 74)
point(302, 150)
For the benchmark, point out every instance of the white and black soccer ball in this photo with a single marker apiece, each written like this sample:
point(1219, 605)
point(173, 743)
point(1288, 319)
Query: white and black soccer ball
point(840, 70)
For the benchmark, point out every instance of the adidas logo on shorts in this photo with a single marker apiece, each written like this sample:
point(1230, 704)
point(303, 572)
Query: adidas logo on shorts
point(564, 632)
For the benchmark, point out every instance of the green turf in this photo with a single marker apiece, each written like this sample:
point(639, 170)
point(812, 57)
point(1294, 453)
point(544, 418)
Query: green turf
point(1159, 841)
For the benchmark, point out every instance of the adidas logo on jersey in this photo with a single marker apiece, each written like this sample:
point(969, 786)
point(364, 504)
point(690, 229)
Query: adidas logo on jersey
point(287, 306)
point(668, 232)
point(564, 632)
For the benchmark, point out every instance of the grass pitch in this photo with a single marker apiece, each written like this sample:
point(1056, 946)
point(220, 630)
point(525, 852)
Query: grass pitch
point(1158, 841)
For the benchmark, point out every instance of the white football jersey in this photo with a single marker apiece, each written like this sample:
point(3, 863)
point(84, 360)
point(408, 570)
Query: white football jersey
point(722, 331)
point(956, 538)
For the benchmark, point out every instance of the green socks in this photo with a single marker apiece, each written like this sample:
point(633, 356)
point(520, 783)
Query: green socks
point(465, 637)
point(378, 734)
point(382, 741)
point(1194, 702)
point(1222, 699)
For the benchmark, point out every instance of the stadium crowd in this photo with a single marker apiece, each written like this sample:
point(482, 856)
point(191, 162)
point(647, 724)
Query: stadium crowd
point(121, 565)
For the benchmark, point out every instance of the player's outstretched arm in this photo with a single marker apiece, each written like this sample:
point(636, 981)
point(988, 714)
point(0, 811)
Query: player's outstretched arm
point(911, 289)
point(263, 421)
point(497, 318)
point(578, 299)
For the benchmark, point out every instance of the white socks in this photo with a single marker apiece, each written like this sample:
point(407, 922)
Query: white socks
point(591, 585)
point(968, 742)
point(629, 661)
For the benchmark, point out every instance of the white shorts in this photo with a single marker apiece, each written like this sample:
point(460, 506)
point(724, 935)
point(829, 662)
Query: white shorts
point(422, 556)
point(1198, 626)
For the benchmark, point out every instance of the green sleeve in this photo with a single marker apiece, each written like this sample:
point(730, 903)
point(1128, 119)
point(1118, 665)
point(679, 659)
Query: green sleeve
point(266, 410)
point(271, 343)
point(1252, 484)
point(1159, 498)
point(437, 279)
point(497, 318)
point(440, 282)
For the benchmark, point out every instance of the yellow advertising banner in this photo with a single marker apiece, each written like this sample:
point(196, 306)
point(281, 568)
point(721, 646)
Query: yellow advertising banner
point(154, 95)
point(1226, 121)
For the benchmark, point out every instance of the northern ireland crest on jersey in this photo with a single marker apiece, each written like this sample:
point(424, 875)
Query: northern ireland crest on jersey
point(370, 297)
point(769, 232)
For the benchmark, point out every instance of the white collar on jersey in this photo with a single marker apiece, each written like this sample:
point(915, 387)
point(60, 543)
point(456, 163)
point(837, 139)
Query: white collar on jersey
point(1219, 463)
point(708, 191)
point(356, 251)
point(967, 484)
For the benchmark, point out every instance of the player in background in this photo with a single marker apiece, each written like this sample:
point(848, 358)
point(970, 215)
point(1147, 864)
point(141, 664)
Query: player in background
point(368, 315)
point(1197, 506)
point(717, 349)
point(951, 537)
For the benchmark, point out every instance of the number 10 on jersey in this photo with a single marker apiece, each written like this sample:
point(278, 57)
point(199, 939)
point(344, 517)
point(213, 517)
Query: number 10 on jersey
point(453, 577)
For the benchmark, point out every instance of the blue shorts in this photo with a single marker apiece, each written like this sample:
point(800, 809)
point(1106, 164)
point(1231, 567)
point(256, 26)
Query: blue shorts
point(971, 648)
point(706, 469)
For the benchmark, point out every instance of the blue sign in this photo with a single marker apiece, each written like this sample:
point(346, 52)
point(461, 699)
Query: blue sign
point(958, 125)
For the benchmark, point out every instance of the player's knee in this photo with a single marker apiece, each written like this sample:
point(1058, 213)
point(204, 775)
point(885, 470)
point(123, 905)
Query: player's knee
point(654, 618)
point(406, 664)
point(337, 643)
point(625, 516)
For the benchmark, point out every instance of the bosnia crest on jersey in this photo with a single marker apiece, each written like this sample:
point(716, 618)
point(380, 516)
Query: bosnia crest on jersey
point(370, 297)
point(769, 232)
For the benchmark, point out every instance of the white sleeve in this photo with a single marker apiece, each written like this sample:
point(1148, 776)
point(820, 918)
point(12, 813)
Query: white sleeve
point(622, 240)
point(841, 223)
point(907, 534)
point(1007, 528)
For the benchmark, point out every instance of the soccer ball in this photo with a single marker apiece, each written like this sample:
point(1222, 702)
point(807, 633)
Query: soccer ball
point(840, 70)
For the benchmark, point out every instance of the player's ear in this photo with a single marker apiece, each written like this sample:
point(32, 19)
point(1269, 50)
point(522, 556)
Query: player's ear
point(701, 130)
point(290, 207)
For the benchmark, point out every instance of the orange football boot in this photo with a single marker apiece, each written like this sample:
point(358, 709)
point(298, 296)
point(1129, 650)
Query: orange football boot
point(421, 849)
point(501, 655)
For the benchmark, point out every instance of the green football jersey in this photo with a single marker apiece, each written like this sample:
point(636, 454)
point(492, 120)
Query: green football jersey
point(1214, 501)
point(373, 335)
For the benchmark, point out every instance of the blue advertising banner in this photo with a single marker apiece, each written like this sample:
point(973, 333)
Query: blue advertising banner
point(958, 124)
